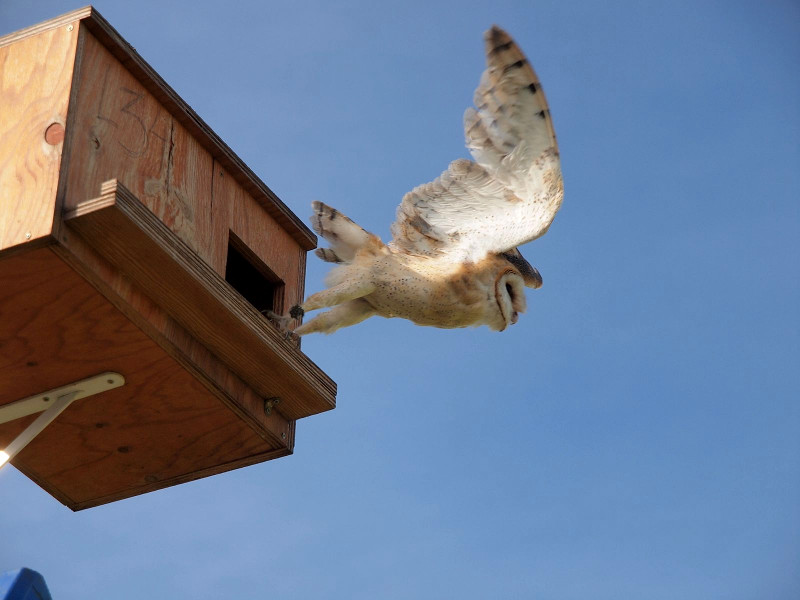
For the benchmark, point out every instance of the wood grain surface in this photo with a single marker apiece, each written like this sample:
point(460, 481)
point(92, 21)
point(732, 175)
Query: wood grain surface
point(163, 427)
point(35, 83)
point(120, 131)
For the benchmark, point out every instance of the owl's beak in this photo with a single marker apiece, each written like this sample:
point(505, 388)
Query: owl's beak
point(530, 275)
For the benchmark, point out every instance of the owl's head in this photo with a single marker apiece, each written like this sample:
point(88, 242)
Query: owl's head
point(510, 283)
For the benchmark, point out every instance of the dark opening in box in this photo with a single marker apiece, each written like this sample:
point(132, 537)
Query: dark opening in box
point(254, 280)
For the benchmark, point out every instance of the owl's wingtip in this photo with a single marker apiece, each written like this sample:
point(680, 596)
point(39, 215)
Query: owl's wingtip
point(496, 36)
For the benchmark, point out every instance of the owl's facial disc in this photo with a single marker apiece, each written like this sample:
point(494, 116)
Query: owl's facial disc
point(510, 296)
point(511, 293)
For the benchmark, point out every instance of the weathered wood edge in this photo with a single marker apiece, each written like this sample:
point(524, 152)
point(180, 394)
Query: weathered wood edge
point(307, 390)
point(35, 244)
point(216, 470)
point(69, 140)
point(65, 19)
point(183, 113)
point(158, 485)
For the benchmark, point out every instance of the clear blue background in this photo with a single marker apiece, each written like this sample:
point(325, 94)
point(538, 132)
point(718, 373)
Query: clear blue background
point(635, 435)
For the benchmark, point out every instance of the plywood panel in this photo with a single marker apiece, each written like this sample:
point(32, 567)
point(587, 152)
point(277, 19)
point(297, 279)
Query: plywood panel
point(35, 81)
point(120, 131)
point(236, 211)
point(195, 125)
point(162, 427)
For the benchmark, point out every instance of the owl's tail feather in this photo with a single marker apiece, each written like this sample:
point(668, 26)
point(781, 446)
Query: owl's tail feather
point(344, 236)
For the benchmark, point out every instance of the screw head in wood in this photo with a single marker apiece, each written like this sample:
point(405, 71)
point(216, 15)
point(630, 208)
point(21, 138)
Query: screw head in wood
point(27, 235)
point(269, 403)
point(70, 27)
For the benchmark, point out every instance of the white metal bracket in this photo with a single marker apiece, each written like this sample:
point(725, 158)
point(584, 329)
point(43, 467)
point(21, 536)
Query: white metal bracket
point(51, 404)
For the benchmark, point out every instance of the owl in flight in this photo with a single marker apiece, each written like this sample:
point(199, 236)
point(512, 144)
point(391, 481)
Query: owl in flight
point(453, 259)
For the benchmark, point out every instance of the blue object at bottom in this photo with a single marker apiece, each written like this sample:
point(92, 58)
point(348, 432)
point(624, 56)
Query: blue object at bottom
point(23, 584)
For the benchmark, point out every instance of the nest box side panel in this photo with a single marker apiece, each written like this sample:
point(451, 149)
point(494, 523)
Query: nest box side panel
point(240, 218)
point(35, 82)
point(161, 428)
point(120, 131)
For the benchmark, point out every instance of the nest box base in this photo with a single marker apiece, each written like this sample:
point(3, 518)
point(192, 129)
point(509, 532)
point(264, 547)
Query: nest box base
point(162, 428)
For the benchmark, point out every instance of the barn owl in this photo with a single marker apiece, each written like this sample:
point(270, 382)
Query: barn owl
point(453, 259)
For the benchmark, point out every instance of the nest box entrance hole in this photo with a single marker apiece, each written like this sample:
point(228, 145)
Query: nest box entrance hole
point(253, 279)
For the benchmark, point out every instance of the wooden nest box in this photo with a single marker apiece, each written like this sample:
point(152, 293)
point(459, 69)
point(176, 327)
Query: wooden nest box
point(136, 247)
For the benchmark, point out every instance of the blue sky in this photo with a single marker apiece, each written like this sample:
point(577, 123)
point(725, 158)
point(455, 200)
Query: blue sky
point(635, 435)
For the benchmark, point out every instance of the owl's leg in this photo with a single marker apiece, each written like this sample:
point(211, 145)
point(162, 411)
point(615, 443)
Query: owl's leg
point(344, 315)
point(347, 290)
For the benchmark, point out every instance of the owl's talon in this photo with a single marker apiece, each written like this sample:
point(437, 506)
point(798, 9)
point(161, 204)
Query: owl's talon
point(296, 312)
point(279, 321)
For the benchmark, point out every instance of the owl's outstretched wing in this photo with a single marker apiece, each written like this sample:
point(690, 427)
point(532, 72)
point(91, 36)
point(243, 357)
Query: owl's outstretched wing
point(511, 193)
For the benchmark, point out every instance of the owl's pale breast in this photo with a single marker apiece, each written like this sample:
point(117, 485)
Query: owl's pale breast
point(434, 293)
